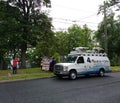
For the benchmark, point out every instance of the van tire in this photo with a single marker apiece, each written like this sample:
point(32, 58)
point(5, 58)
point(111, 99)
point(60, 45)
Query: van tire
point(101, 73)
point(73, 75)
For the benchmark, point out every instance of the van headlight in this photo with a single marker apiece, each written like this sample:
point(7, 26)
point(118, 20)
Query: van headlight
point(65, 68)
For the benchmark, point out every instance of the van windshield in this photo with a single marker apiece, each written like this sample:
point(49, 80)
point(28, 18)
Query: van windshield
point(70, 59)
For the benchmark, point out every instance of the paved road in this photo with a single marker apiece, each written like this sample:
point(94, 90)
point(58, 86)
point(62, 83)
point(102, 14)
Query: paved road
point(53, 90)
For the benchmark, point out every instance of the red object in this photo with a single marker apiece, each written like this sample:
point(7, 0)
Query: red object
point(15, 62)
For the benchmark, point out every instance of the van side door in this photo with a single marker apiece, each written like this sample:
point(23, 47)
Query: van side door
point(80, 64)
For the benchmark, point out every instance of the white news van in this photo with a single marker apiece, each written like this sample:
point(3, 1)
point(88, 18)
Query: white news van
point(83, 62)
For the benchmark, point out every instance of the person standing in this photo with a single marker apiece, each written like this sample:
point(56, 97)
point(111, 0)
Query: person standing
point(52, 63)
point(41, 63)
point(15, 62)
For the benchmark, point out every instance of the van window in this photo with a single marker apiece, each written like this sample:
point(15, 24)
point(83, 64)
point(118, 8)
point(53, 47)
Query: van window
point(80, 60)
point(70, 59)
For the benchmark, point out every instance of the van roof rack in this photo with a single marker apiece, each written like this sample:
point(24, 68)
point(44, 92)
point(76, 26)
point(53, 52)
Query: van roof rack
point(96, 51)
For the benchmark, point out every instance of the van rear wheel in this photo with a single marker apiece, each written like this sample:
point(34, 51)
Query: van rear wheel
point(101, 73)
point(73, 75)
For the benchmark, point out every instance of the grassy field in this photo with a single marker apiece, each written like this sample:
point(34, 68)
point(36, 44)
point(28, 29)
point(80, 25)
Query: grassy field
point(6, 75)
point(115, 68)
point(31, 73)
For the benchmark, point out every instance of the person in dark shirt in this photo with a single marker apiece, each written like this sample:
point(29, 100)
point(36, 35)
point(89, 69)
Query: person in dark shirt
point(52, 63)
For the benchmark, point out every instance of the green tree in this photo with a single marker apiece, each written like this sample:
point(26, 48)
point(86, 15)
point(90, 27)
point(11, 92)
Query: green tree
point(115, 40)
point(87, 37)
point(112, 27)
point(75, 36)
point(78, 36)
point(61, 43)
point(8, 26)
point(32, 25)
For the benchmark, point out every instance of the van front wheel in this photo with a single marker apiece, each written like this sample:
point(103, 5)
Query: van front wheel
point(73, 75)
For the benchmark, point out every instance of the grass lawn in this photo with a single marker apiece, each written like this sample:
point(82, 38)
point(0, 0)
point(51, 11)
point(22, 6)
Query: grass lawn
point(115, 68)
point(6, 75)
point(24, 74)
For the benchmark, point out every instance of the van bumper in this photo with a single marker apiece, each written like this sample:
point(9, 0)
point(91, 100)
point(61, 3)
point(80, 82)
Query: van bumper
point(61, 73)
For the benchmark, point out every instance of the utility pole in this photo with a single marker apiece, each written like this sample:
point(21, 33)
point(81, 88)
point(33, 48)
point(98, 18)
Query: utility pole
point(105, 29)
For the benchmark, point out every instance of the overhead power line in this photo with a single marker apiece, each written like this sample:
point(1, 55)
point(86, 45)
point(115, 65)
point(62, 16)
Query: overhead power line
point(70, 21)
point(74, 9)
point(80, 21)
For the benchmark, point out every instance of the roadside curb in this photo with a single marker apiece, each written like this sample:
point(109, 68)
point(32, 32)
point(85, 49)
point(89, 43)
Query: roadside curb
point(28, 79)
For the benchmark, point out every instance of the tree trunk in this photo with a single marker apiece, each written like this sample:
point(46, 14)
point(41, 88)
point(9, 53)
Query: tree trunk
point(1, 64)
point(1, 61)
point(119, 59)
point(23, 55)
